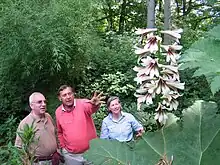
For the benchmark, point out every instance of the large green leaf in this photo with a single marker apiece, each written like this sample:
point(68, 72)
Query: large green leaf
point(215, 84)
point(195, 141)
point(215, 32)
point(105, 152)
point(204, 55)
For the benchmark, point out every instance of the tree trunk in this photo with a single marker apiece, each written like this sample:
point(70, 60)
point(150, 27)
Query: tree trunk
point(110, 14)
point(160, 10)
point(167, 19)
point(151, 13)
point(177, 8)
point(122, 17)
point(184, 6)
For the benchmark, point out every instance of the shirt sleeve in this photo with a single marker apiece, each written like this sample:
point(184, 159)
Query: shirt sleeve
point(135, 124)
point(18, 141)
point(60, 135)
point(104, 131)
point(90, 108)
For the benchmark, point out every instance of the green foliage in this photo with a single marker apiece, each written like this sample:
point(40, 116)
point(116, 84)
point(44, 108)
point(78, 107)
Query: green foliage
point(104, 152)
point(53, 103)
point(43, 44)
point(27, 135)
point(120, 16)
point(10, 155)
point(204, 55)
point(211, 1)
point(114, 55)
point(145, 116)
point(110, 69)
point(121, 56)
point(111, 84)
point(98, 117)
point(193, 141)
point(43, 35)
point(7, 130)
point(48, 43)
point(196, 88)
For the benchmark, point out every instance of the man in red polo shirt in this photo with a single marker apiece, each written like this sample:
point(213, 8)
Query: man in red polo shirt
point(75, 125)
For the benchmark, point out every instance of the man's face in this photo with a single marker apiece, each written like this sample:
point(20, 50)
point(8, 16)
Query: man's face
point(38, 104)
point(67, 97)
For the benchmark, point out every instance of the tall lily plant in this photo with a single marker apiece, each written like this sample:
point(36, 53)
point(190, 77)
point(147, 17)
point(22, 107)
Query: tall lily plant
point(157, 71)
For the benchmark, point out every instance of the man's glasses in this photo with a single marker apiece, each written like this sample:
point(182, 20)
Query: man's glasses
point(40, 102)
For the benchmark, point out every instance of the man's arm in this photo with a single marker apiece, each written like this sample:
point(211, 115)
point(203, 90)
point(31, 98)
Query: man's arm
point(90, 108)
point(60, 135)
point(94, 103)
point(18, 141)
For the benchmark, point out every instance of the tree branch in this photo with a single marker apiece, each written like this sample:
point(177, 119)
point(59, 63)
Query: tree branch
point(197, 21)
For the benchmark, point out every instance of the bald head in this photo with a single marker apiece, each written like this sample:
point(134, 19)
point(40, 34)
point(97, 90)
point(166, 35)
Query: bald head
point(37, 103)
point(33, 96)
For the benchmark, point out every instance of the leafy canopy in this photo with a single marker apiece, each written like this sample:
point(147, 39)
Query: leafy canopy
point(43, 43)
point(193, 141)
point(204, 55)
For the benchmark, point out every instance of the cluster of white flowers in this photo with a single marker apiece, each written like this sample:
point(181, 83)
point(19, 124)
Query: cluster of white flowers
point(158, 73)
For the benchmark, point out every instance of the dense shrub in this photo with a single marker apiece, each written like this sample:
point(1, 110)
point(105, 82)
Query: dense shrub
point(7, 130)
point(43, 44)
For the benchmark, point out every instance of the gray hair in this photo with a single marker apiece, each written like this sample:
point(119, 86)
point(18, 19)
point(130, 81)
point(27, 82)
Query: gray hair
point(32, 96)
point(110, 99)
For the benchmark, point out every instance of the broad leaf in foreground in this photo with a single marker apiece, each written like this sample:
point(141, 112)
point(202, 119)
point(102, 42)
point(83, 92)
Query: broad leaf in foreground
point(204, 55)
point(196, 141)
point(104, 152)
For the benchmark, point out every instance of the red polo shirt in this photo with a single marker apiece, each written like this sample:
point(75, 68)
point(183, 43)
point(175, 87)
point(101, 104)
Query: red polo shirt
point(76, 128)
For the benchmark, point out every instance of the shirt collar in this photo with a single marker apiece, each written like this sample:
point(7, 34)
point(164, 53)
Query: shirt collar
point(122, 116)
point(38, 119)
point(74, 105)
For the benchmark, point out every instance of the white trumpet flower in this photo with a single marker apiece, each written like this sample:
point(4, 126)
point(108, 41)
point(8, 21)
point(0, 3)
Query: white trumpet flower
point(171, 54)
point(145, 31)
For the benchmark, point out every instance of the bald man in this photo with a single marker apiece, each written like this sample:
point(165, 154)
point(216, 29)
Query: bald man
point(44, 145)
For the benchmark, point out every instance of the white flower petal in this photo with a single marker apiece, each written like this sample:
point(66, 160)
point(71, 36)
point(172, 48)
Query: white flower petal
point(149, 99)
point(176, 84)
point(175, 104)
point(141, 79)
point(145, 31)
point(141, 51)
point(165, 89)
point(158, 89)
point(141, 99)
point(166, 47)
point(161, 118)
point(178, 30)
point(156, 116)
point(170, 67)
point(138, 106)
point(141, 91)
point(137, 69)
point(176, 47)
point(174, 34)
point(147, 61)
point(165, 117)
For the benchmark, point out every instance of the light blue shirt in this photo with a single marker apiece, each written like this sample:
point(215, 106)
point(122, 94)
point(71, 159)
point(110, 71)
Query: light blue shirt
point(122, 129)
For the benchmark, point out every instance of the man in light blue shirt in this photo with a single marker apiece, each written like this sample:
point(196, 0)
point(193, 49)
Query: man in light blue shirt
point(119, 125)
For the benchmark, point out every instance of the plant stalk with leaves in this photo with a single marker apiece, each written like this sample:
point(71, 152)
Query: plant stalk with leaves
point(27, 134)
point(158, 75)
